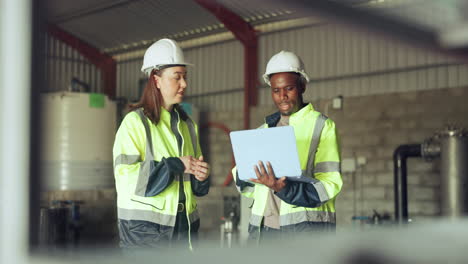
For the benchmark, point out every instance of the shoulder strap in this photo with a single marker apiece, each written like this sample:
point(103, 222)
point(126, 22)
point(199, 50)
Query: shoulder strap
point(149, 154)
point(319, 125)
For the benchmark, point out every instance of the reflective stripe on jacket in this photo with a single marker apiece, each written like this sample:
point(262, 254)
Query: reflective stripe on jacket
point(147, 169)
point(311, 198)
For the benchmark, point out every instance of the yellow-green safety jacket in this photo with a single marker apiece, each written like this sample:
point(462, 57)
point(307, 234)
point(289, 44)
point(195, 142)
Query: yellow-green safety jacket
point(311, 198)
point(148, 171)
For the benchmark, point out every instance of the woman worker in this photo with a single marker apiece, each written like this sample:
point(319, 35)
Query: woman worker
point(158, 165)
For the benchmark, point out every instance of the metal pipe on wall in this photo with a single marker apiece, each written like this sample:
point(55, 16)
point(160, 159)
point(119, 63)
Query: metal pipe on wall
point(454, 173)
point(400, 174)
point(451, 145)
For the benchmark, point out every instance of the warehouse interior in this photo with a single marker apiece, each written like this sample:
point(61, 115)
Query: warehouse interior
point(392, 75)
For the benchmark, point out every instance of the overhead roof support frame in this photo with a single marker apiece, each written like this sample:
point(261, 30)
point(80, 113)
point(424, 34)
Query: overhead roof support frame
point(247, 35)
point(104, 62)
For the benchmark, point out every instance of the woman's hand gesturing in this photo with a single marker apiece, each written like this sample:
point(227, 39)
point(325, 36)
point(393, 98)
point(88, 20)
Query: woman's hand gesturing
point(198, 167)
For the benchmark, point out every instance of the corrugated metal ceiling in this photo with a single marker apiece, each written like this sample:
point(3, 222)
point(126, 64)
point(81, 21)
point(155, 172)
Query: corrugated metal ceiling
point(256, 12)
point(122, 25)
point(119, 26)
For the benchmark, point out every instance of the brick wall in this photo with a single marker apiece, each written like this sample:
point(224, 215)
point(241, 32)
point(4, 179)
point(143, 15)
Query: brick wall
point(373, 127)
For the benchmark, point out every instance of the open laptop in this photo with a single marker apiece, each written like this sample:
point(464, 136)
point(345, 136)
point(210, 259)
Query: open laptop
point(276, 145)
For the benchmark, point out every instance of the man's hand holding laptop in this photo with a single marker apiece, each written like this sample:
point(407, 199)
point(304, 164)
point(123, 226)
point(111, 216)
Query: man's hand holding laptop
point(267, 177)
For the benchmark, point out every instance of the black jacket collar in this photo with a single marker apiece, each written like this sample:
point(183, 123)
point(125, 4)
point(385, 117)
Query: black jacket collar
point(273, 119)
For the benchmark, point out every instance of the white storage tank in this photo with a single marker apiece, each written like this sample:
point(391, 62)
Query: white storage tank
point(77, 136)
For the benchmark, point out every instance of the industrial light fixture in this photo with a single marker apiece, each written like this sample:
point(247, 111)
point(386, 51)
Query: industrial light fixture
point(337, 102)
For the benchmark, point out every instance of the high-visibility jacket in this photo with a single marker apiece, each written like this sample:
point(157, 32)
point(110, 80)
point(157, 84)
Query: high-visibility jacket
point(311, 198)
point(148, 171)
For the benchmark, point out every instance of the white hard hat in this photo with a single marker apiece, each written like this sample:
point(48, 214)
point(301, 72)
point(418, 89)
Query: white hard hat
point(163, 52)
point(284, 61)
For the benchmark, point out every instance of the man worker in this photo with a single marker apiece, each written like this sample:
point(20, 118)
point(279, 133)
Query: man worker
point(304, 204)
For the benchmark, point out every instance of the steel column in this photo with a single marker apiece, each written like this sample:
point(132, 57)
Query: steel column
point(247, 35)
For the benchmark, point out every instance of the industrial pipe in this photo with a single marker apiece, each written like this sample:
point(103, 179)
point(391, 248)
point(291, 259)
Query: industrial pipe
point(451, 145)
point(454, 173)
point(400, 184)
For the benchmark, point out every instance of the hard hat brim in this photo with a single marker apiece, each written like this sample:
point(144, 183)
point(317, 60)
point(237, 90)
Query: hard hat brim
point(266, 76)
point(164, 66)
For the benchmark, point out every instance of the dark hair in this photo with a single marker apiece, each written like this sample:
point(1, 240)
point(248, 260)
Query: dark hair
point(151, 99)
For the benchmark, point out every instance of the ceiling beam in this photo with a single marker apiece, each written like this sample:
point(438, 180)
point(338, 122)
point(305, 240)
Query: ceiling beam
point(104, 62)
point(247, 35)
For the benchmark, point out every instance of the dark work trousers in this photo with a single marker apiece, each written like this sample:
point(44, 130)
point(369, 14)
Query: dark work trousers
point(180, 236)
point(269, 234)
point(143, 234)
point(304, 229)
